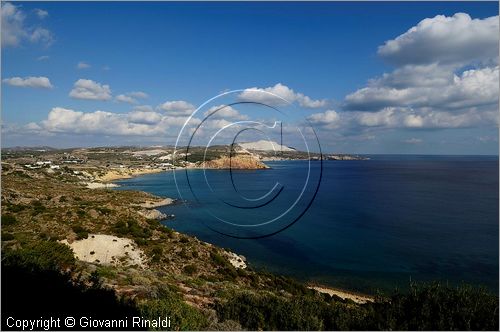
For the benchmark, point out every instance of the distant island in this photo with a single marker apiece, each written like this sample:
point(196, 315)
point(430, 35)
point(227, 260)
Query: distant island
point(112, 163)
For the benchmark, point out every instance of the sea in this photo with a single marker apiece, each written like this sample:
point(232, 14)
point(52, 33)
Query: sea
point(363, 225)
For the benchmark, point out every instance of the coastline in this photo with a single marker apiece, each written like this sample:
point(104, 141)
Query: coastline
point(343, 293)
point(118, 174)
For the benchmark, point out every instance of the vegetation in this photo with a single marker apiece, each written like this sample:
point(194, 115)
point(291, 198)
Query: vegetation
point(42, 255)
point(8, 219)
point(170, 304)
point(81, 232)
point(191, 281)
point(32, 288)
point(424, 307)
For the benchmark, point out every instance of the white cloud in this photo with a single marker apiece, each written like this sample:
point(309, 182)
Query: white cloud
point(82, 65)
point(131, 97)
point(145, 117)
point(29, 82)
point(329, 118)
point(43, 58)
point(307, 102)
point(397, 117)
point(274, 96)
point(447, 77)
point(177, 108)
point(41, 35)
point(144, 108)
point(442, 39)
point(126, 99)
point(41, 13)
point(224, 112)
point(88, 89)
point(138, 94)
point(136, 123)
point(15, 31)
point(61, 120)
point(473, 87)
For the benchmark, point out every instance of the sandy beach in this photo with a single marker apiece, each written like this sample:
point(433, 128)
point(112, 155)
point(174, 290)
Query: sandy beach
point(358, 298)
point(118, 174)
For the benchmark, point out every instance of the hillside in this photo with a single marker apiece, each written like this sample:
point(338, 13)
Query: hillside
point(237, 162)
point(264, 145)
point(58, 236)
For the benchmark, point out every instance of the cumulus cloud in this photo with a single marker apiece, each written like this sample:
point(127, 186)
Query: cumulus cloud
point(394, 117)
point(177, 108)
point(41, 13)
point(138, 94)
point(88, 89)
point(126, 99)
point(224, 112)
point(15, 30)
point(29, 82)
point(135, 123)
point(82, 65)
point(274, 96)
point(144, 108)
point(442, 39)
point(41, 35)
point(131, 97)
point(145, 117)
point(61, 120)
point(473, 87)
point(446, 76)
point(330, 118)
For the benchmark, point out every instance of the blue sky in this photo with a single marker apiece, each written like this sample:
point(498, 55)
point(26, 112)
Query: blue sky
point(190, 52)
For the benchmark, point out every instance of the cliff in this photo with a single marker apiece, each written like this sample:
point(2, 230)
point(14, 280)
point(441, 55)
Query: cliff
point(236, 162)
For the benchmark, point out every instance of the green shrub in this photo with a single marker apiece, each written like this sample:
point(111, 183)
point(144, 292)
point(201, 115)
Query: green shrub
point(81, 232)
point(104, 210)
point(132, 228)
point(45, 255)
point(439, 307)
point(8, 219)
point(38, 207)
point(17, 207)
point(218, 259)
point(106, 271)
point(169, 304)
point(190, 269)
point(7, 236)
point(424, 307)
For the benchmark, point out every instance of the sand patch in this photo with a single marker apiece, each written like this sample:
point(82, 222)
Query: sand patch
point(99, 185)
point(125, 173)
point(107, 249)
point(343, 294)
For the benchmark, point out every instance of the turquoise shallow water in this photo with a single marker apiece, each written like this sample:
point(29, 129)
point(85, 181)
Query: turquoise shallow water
point(373, 225)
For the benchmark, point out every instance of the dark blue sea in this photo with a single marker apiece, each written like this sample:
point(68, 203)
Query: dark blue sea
point(371, 225)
